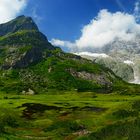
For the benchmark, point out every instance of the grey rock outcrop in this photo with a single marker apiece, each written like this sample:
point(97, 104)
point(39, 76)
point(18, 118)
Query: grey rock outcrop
point(18, 24)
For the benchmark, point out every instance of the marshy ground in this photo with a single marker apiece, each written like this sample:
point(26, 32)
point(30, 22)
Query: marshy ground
point(70, 116)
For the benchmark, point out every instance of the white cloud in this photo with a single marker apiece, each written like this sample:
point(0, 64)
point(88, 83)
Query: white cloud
point(104, 29)
point(107, 27)
point(10, 8)
point(59, 43)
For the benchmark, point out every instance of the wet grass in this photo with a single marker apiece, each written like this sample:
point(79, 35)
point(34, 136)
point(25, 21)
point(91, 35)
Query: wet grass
point(68, 115)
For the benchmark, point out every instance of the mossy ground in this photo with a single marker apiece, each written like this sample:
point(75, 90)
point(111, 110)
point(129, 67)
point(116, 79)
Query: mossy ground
point(70, 116)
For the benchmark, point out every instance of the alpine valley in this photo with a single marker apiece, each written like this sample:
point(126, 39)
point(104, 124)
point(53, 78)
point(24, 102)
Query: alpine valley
point(47, 94)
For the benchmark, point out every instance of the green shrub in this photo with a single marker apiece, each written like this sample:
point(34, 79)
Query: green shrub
point(136, 105)
point(67, 126)
point(9, 118)
point(119, 130)
point(124, 113)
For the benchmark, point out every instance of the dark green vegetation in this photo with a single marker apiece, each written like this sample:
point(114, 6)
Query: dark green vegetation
point(51, 95)
point(70, 116)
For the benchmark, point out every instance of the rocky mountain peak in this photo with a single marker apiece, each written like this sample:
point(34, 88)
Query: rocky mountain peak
point(18, 24)
point(21, 43)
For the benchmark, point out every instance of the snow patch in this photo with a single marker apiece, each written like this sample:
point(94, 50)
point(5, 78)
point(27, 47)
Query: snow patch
point(103, 55)
point(129, 62)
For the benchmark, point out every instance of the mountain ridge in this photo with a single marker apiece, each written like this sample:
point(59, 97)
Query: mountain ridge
point(22, 38)
point(29, 62)
point(20, 23)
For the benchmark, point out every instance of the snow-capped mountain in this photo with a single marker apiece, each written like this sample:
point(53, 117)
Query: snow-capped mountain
point(125, 50)
point(123, 57)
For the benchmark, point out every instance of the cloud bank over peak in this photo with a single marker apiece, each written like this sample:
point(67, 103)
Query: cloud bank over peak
point(10, 8)
point(104, 29)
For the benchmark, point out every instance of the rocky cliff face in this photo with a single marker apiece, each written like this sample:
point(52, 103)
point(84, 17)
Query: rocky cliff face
point(101, 79)
point(18, 24)
point(127, 52)
point(21, 43)
point(120, 68)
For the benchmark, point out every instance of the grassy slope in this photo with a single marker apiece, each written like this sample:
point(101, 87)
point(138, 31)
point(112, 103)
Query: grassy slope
point(41, 80)
point(16, 45)
point(38, 77)
point(84, 122)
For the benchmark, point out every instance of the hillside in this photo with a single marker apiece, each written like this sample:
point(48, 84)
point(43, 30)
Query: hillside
point(29, 62)
point(120, 68)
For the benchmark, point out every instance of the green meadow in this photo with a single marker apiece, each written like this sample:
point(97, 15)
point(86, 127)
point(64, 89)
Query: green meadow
point(69, 116)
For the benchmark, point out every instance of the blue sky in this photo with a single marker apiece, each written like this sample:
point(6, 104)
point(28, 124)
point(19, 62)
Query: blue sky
point(78, 25)
point(64, 19)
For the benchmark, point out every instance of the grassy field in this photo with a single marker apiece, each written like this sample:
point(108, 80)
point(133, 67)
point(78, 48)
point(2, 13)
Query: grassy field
point(69, 116)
